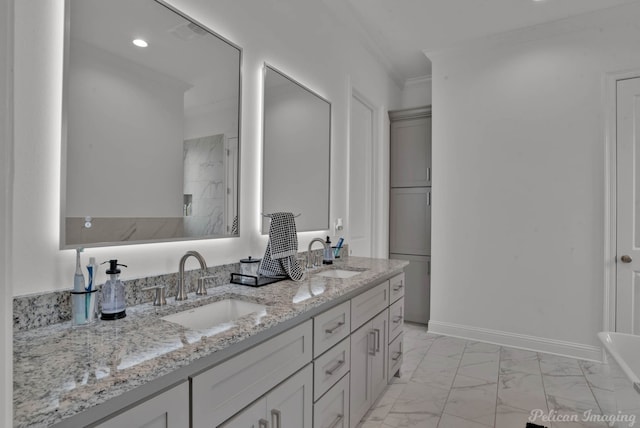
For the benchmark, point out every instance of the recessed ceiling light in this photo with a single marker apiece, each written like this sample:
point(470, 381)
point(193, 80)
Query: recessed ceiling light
point(140, 43)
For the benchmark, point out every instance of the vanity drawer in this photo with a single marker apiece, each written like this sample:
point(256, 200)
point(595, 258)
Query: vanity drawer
point(395, 356)
point(331, 327)
point(330, 367)
point(332, 410)
point(220, 392)
point(396, 319)
point(396, 287)
point(369, 304)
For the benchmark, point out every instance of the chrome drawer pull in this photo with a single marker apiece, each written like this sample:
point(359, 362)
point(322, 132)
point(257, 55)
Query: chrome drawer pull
point(333, 370)
point(399, 287)
point(333, 330)
point(336, 422)
point(397, 356)
point(262, 423)
point(278, 416)
point(371, 351)
point(397, 319)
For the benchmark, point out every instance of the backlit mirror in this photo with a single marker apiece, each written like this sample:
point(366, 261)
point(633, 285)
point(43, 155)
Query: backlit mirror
point(151, 111)
point(296, 152)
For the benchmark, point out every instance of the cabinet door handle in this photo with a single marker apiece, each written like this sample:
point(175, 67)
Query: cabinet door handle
point(377, 331)
point(275, 414)
point(331, 371)
point(429, 199)
point(336, 422)
point(372, 351)
point(398, 287)
point(263, 423)
point(397, 319)
point(333, 330)
point(429, 174)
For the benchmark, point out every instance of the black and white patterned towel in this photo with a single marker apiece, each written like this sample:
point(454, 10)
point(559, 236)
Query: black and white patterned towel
point(280, 256)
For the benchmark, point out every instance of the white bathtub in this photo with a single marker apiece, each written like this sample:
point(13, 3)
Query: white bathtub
point(625, 350)
point(622, 383)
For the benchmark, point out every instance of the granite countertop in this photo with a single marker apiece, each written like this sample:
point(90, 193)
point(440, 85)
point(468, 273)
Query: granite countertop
point(60, 371)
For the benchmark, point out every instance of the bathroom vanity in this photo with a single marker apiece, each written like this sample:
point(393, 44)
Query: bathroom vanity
point(315, 353)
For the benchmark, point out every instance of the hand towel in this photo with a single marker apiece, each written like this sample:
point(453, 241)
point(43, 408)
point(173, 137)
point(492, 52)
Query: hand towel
point(280, 256)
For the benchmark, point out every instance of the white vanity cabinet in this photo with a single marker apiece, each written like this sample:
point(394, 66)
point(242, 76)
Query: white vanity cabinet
point(368, 365)
point(289, 405)
point(222, 391)
point(169, 409)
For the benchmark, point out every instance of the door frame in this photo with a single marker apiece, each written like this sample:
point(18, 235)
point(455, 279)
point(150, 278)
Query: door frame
point(610, 81)
point(376, 171)
point(7, 8)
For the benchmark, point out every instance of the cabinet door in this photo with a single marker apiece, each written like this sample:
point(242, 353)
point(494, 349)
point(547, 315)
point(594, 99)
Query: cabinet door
point(332, 410)
point(362, 345)
point(417, 290)
point(290, 404)
point(396, 319)
point(410, 221)
point(253, 416)
point(411, 152)
point(379, 358)
point(167, 410)
point(395, 357)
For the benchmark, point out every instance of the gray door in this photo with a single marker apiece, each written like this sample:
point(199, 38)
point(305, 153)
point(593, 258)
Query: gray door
point(411, 153)
point(410, 221)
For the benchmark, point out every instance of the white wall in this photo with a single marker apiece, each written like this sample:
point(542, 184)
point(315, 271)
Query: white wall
point(416, 92)
point(6, 166)
point(298, 37)
point(518, 153)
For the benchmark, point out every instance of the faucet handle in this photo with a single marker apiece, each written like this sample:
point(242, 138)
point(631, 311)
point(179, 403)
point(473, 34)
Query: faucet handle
point(160, 299)
point(202, 290)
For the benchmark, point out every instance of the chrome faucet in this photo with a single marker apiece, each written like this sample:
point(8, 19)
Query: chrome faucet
point(310, 265)
point(182, 292)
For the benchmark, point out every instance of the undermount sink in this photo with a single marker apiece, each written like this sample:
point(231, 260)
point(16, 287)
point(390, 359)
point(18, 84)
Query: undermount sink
point(338, 273)
point(220, 312)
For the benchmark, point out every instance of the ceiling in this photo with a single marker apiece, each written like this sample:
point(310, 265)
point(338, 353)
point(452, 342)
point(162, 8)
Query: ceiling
point(399, 31)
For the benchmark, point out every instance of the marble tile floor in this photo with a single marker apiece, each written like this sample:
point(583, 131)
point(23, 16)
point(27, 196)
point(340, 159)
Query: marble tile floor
point(454, 383)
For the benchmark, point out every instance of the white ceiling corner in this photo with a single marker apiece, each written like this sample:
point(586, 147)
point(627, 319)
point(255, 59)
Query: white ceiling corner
point(400, 33)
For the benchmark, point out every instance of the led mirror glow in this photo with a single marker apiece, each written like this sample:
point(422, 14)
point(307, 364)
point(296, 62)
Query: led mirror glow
point(151, 147)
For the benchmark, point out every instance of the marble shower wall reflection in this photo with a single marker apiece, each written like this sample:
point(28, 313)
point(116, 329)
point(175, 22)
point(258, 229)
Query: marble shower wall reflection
point(204, 186)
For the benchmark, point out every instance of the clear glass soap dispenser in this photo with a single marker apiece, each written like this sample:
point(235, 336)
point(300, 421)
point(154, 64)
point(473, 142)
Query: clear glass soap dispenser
point(113, 303)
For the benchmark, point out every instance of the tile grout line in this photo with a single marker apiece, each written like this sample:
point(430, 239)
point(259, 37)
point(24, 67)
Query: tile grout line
point(495, 415)
point(590, 388)
point(452, 382)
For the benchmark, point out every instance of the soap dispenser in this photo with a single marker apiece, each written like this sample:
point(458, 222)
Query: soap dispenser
point(327, 258)
point(113, 305)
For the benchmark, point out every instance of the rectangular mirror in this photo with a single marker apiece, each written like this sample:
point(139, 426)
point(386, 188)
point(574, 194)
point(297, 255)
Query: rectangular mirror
point(296, 152)
point(151, 145)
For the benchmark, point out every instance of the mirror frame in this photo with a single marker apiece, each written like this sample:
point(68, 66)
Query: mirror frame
point(264, 222)
point(64, 135)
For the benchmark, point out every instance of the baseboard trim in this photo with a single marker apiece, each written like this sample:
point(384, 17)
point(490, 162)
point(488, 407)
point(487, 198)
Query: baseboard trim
point(515, 340)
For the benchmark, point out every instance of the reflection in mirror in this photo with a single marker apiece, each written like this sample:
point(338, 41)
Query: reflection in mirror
point(296, 152)
point(152, 133)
